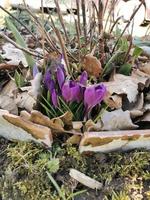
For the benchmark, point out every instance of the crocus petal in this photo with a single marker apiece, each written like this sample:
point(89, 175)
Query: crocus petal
point(93, 95)
point(60, 77)
point(49, 83)
point(83, 78)
point(35, 70)
point(54, 98)
point(71, 91)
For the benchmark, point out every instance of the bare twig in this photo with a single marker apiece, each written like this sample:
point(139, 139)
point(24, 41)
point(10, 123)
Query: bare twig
point(114, 24)
point(78, 14)
point(131, 18)
point(18, 21)
point(61, 19)
point(78, 37)
point(84, 19)
point(63, 48)
point(19, 47)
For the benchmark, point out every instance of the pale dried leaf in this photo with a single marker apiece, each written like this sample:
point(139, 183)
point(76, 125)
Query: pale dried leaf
point(114, 140)
point(85, 180)
point(12, 132)
point(146, 68)
point(14, 55)
point(8, 103)
point(117, 120)
point(39, 132)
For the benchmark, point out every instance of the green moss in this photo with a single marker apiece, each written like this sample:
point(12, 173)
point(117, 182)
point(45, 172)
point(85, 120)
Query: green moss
point(24, 172)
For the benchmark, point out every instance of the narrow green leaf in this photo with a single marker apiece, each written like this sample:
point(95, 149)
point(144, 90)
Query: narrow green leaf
point(19, 40)
point(137, 52)
point(125, 69)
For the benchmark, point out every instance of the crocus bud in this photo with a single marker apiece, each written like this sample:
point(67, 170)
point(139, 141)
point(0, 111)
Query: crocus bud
point(83, 78)
point(93, 95)
point(71, 91)
point(60, 77)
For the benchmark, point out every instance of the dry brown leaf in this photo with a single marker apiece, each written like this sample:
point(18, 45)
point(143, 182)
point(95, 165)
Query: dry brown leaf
point(12, 132)
point(117, 120)
point(85, 180)
point(91, 126)
point(9, 89)
point(39, 132)
point(92, 65)
point(146, 68)
point(75, 139)
point(38, 118)
point(5, 66)
point(114, 140)
point(113, 101)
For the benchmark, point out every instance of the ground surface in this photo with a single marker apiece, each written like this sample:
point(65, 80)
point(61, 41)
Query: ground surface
point(124, 176)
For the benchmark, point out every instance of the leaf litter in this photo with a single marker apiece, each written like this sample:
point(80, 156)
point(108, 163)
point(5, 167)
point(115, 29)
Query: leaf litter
point(107, 124)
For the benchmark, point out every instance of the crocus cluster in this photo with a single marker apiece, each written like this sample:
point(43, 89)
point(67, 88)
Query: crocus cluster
point(73, 90)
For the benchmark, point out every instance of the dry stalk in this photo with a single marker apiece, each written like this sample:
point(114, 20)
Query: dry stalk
point(43, 35)
point(61, 20)
point(78, 38)
point(78, 15)
point(63, 48)
point(84, 19)
point(114, 24)
point(131, 18)
point(19, 47)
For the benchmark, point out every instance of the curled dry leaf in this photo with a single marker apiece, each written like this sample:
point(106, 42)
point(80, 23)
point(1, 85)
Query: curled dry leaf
point(12, 132)
point(39, 118)
point(123, 85)
point(117, 120)
point(85, 180)
point(114, 140)
point(75, 139)
point(5, 66)
point(146, 68)
point(113, 101)
point(39, 132)
point(92, 66)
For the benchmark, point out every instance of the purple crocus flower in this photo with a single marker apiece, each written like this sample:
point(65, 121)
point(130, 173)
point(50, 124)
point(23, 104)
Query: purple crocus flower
point(60, 77)
point(48, 81)
point(50, 84)
point(71, 91)
point(83, 78)
point(35, 70)
point(54, 98)
point(93, 95)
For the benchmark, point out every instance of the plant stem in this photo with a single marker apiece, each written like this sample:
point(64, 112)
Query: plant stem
point(18, 46)
point(131, 18)
point(84, 19)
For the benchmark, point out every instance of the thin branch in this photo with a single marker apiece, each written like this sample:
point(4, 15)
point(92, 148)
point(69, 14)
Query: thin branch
point(84, 19)
point(61, 19)
point(131, 18)
point(78, 14)
point(19, 47)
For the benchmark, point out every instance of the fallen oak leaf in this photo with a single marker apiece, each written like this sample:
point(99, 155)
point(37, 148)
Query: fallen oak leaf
point(39, 132)
point(92, 66)
point(114, 140)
